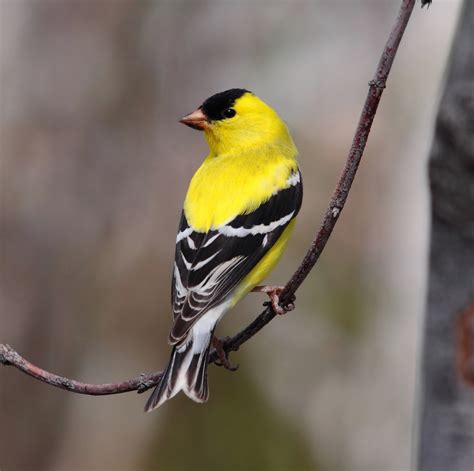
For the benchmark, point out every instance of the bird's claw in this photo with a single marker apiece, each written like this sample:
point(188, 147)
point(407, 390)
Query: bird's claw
point(273, 293)
point(223, 355)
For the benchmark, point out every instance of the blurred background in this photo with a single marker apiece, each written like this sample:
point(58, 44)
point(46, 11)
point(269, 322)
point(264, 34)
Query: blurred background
point(94, 168)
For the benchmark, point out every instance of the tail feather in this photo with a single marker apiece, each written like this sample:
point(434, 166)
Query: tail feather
point(187, 372)
point(196, 377)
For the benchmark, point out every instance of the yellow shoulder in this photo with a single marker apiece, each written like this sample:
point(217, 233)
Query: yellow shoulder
point(229, 185)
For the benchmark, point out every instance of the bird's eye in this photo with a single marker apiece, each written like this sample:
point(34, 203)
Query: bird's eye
point(228, 113)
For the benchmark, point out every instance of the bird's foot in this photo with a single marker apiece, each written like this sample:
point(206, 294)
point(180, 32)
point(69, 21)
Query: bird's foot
point(273, 293)
point(223, 360)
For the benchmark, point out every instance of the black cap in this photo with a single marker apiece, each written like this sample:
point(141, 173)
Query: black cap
point(215, 105)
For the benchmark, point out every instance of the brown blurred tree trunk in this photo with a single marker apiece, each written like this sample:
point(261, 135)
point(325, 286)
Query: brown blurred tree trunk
point(447, 412)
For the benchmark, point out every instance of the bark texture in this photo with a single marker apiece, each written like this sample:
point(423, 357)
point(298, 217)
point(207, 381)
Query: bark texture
point(447, 402)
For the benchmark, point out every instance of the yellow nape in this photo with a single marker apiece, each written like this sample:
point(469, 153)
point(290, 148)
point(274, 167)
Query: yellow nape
point(265, 266)
point(252, 155)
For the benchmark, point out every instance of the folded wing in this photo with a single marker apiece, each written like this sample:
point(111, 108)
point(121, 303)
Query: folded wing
point(209, 266)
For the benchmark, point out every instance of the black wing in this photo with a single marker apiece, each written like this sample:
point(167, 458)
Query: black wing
point(208, 266)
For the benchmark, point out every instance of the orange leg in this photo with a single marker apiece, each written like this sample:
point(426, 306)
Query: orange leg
point(223, 356)
point(273, 293)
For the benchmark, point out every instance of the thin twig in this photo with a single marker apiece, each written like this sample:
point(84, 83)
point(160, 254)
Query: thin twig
point(141, 383)
point(8, 356)
point(339, 197)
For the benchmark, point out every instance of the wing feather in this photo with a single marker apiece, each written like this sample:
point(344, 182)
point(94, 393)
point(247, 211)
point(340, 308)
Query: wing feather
point(209, 266)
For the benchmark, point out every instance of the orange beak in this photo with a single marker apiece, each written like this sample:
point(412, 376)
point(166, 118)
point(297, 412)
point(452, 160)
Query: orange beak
point(196, 120)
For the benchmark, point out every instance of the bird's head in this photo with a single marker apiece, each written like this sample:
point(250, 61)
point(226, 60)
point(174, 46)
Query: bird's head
point(237, 119)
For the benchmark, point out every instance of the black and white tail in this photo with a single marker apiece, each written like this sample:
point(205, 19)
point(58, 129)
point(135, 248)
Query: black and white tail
point(186, 371)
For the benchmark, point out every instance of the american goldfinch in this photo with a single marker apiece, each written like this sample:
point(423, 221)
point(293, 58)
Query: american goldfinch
point(238, 215)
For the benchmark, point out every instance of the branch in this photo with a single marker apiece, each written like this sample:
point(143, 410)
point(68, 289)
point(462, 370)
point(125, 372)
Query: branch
point(339, 197)
point(141, 383)
point(8, 356)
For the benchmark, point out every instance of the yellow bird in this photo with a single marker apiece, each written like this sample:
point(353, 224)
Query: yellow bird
point(238, 215)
